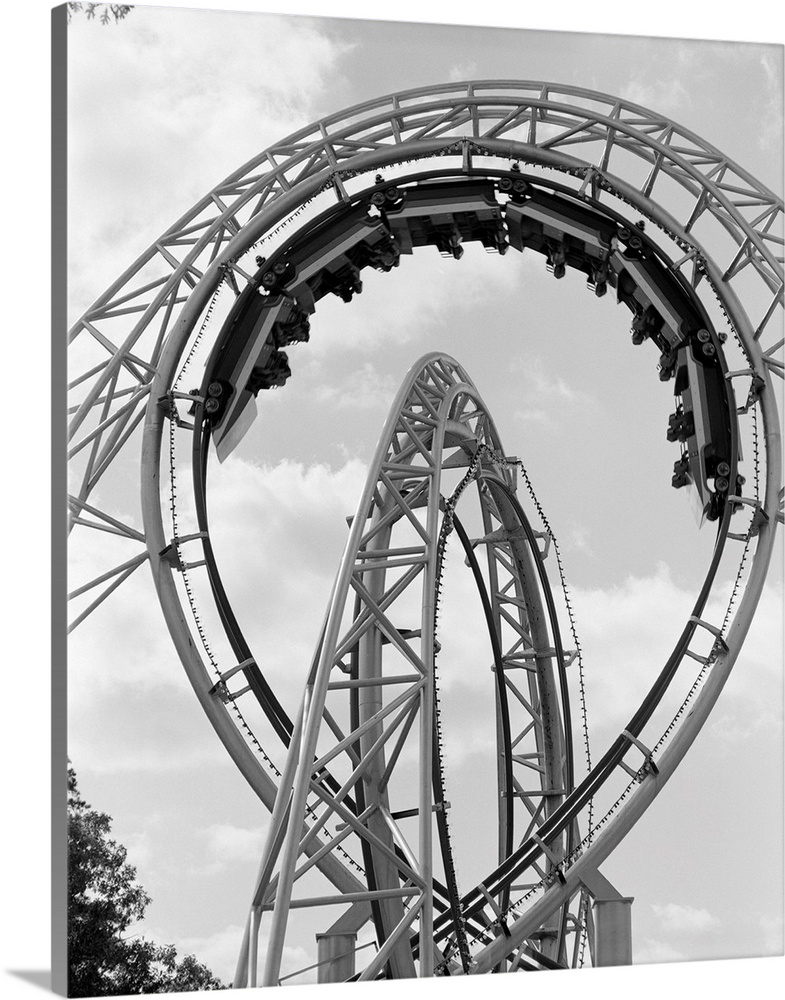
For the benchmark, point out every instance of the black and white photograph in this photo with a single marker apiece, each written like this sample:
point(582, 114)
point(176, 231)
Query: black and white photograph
point(422, 582)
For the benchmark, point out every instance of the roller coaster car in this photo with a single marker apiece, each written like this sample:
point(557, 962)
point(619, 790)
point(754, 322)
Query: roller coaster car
point(702, 423)
point(273, 310)
point(568, 234)
point(330, 256)
point(257, 325)
point(663, 310)
point(247, 354)
point(273, 373)
point(446, 214)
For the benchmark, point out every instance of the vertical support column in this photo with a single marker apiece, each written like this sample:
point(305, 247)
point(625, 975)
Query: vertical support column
point(427, 703)
point(256, 920)
point(241, 971)
point(335, 955)
point(613, 931)
point(426, 810)
point(612, 921)
point(370, 701)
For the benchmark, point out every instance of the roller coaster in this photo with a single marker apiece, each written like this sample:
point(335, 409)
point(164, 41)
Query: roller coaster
point(360, 825)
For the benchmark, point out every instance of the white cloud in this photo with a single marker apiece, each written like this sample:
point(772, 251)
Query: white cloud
point(533, 416)
point(542, 384)
point(122, 644)
point(130, 731)
point(367, 389)
point(140, 847)
point(278, 534)
point(751, 702)
point(770, 137)
point(662, 95)
point(420, 300)
point(627, 631)
point(772, 935)
point(652, 952)
point(624, 643)
point(199, 83)
point(665, 92)
point(685, 919)
point(232, 841)
point(224, 844)
point(463, 71)
point(219, 952)
point(579, 538)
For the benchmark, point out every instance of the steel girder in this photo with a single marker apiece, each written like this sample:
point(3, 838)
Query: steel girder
point(438, 427)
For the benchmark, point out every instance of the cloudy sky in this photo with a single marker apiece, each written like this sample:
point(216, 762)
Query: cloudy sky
point(162, 107)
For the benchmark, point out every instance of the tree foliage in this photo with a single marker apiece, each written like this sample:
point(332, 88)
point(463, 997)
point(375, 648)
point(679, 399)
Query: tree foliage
point(106, 12)
point(104, 900)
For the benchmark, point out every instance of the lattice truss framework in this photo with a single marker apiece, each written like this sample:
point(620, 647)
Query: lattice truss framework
point(391, 571)
point(125, 350)
point(119, 342)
